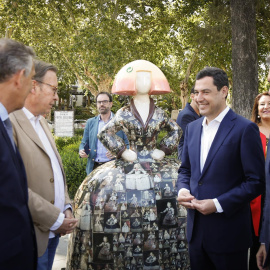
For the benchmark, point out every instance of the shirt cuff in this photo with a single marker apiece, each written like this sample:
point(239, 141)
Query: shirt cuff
point(183, 189)
point(218, 206)
point(58, 222)
point(67, 206)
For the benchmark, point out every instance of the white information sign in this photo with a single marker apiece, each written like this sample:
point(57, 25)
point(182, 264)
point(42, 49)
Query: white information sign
point(64, 123)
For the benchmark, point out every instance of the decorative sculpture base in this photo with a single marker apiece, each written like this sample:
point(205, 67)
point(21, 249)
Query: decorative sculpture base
point(129, 218)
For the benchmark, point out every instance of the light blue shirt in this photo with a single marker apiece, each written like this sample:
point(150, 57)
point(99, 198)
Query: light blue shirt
point(101, 150)
point(3, 113)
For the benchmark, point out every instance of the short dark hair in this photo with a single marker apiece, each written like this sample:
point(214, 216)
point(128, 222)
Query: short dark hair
point(192, 90)
point(41, 69)
point(14, 56)
point(219, 76)
point(105, 93)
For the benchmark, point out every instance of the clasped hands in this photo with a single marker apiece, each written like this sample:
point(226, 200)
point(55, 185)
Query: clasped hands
point(205, 207)
point(68, 225)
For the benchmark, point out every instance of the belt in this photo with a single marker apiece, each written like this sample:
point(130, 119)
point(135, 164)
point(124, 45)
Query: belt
point(99, 163)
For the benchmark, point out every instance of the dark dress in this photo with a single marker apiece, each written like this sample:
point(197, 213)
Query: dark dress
point(136, 178)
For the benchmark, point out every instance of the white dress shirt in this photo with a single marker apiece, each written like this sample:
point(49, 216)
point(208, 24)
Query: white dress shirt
point(209, 132)
point(59, 187)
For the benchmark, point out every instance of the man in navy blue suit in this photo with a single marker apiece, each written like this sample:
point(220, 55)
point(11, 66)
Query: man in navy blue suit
point(17, 237)
point(188, 114)
point(222, 170)
point(263, 255)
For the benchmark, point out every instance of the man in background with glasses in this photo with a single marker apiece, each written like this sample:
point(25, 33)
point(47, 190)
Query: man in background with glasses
point(90, 146)
point(49, 202)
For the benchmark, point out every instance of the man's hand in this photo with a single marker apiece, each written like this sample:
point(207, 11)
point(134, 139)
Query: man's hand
point(205, 207)
point(83, 154)
point(67, 226)
point(261, 256)
point(68, 213)
point(184, 198)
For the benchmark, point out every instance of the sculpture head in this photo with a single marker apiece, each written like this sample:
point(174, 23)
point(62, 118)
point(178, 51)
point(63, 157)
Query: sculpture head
point(140, 73)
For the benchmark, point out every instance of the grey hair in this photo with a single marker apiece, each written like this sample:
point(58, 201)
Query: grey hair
point(41, 69)
point(14, 56)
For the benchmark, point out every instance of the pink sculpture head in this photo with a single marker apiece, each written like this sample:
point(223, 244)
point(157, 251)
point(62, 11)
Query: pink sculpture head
point(125, 80)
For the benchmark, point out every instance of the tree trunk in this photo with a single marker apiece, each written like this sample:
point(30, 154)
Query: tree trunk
point(244, 56)
point(184, 91)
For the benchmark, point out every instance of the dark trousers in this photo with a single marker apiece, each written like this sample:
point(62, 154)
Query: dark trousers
point(202, 259)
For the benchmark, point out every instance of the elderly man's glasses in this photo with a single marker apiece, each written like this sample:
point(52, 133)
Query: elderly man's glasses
point(105, 102)
point(54, 88)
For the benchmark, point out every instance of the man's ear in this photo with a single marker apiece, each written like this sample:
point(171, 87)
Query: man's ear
point(18, 78)
point(225, 91)
point(34, 86)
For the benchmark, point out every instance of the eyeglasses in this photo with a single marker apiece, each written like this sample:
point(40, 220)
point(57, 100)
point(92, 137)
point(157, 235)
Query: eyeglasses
point(105, 102)
point(54, 88)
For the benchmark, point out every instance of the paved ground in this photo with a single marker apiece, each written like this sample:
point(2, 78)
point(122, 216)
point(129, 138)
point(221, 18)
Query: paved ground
point(61, 252)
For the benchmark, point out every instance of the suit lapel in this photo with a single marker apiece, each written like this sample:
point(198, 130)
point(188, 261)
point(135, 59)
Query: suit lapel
point(27, 127)
point(224, 129)
point(196, 144)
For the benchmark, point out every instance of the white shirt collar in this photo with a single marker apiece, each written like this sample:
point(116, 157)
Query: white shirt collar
point(30, 116)
point(219, 118)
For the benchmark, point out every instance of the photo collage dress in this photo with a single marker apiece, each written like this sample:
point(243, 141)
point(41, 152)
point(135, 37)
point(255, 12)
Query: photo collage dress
point(128, 214)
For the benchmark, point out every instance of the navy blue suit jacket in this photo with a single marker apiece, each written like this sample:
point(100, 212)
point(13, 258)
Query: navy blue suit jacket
point(233, 173)
point(17, 237)
point(265, 230)
point(184, 117)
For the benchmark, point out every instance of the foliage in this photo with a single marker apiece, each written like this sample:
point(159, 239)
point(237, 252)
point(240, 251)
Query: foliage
point(119, 102)
point(83, 113)
point(79, 132)
point(89, 41)
point(74, 167)
point(62, 142)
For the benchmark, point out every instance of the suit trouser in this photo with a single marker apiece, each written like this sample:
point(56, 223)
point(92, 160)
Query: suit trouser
point(203, 259)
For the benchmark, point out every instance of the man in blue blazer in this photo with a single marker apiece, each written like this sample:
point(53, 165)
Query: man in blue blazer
point(17, 238)
point(263, 255)
point(188, 114)
point(98, 154)
point(222, 170)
